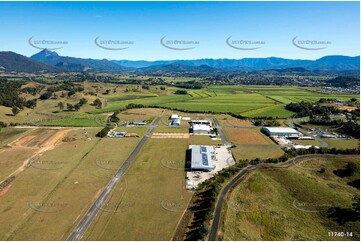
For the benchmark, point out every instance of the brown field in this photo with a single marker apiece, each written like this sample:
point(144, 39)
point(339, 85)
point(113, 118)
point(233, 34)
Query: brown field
point(87, 165)
point(243, 136)
point(340, 106)
point(226, 120)
point(237, 122)
point(170, 135)
point(27, 148)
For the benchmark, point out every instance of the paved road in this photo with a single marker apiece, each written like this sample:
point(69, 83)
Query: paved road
point(220, 132)
point(89, 216)
point(263, 146)
point(223, 195)
point(290, 123)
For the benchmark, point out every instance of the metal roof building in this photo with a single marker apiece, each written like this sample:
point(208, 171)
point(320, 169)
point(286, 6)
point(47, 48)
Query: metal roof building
point(175, 122)
point(201, 158)
point(281, 131)
point(201, 128)
point(205, 122)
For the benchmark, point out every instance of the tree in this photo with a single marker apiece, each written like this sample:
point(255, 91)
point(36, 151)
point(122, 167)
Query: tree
point(181, 92)
point(61, 105)
point(69, 106)
point(82, 101)
point(97, 103)
point(77, 107)
point(353, 99)
point(15, 110)
point(102, 133)
point(46, 95)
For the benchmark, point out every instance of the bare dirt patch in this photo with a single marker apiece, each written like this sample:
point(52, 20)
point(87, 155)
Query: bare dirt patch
point(23, 140)
point(170, 135)
point(47, 145)
point(238, 122)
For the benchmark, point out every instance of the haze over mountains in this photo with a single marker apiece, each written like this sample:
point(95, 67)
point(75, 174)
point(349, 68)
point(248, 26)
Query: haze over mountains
point(51, 61)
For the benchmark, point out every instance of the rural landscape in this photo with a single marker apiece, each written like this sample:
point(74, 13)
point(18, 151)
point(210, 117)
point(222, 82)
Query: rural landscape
point(193, 149)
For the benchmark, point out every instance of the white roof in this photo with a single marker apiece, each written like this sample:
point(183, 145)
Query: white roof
point(174, 116)
point(281, 130)
point(201, 121)
point(201, 127)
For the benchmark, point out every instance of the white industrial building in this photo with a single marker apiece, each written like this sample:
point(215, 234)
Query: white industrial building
point(201, 129)
point(175, 120)
point(205, 122)
point(281, 132)
point(201, 158)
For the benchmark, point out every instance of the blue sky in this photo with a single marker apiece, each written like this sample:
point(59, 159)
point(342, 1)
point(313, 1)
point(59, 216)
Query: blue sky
point(209, 24)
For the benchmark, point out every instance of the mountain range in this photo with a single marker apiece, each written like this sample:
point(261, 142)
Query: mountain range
point(51, 61)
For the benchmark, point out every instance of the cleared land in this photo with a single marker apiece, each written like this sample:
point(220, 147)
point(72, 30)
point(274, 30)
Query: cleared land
point(244, 136)
point(227, 120)
point(241, 153)
point(155, 195)
point(291, 204)
point(62, 184)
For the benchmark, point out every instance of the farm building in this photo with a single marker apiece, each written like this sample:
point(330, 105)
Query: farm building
point(114, 134)
point(281, 131)
point(201, 129)
point(140, 123)
point(201, 158)
point(205, 122)
point(175, 120)
point(174, 116)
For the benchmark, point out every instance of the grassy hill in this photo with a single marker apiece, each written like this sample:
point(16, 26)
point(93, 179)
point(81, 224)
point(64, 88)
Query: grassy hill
point(294, 203)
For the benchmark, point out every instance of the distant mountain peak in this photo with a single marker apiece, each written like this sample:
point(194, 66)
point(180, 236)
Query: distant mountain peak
point(48, 52)
point(45, 55)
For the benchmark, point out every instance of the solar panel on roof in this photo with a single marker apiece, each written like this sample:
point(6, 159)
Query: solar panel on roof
point(203, 149)
point(204, 159)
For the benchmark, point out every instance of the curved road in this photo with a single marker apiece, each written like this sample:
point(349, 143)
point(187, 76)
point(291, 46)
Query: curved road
point(290, 123)
point(89, 216)
point(240, 175)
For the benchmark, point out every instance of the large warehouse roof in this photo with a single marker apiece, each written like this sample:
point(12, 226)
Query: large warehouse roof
point(202, 157)
point(280, 130)
point(201, 127)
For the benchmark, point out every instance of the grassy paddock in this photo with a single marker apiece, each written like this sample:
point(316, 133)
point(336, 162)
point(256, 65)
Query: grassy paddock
point(241, 153)
point(273, 204)
point(150, 184)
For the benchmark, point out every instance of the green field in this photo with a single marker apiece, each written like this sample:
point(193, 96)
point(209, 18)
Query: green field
point(249, 101)
point(241, 153)
point(343, 143)
point(291, 204)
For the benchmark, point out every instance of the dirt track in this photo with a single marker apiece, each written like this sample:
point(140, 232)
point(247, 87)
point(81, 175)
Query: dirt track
point(41, 148)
